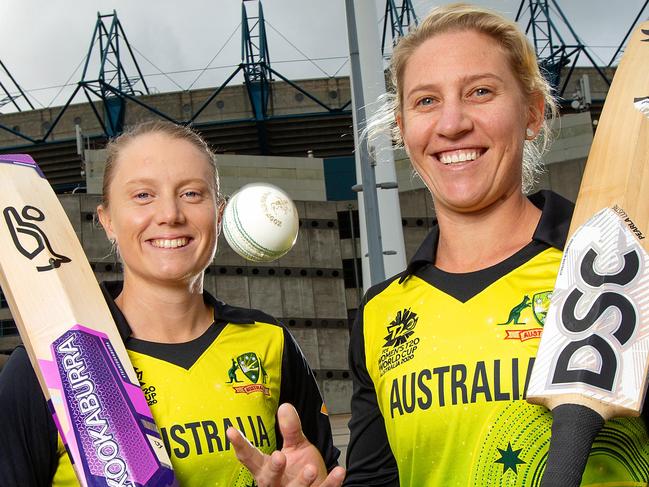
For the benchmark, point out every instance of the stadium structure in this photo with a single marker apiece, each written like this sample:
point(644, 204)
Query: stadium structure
point(296, 134)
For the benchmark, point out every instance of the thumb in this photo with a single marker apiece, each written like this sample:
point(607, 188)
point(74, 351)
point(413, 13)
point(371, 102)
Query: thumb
point(290, 426)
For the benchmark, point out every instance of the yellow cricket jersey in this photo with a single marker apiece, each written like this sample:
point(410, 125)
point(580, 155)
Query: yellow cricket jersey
point(194, 407)
point(441, 364)
point(236, 374)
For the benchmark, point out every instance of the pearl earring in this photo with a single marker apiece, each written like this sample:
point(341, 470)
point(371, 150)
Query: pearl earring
point(530, 133)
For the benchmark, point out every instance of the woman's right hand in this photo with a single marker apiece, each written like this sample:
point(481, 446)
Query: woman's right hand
point(298, 464)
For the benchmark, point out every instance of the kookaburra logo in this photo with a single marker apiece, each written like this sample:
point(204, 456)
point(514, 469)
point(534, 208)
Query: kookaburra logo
point(29, 238)
point(606, 343)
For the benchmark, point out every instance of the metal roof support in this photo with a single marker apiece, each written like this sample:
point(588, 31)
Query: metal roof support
point(401, 19)
point(113, 81)
point(552, 51)
point(114, 86)
point(628, 33)
point(255, 61)
point(9, 97)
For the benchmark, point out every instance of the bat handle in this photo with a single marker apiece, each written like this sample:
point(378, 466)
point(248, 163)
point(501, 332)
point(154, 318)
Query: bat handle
point(574, 428)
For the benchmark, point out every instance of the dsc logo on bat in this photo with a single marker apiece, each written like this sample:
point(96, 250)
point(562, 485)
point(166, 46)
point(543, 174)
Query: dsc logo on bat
point(595, 340)
point(609, 289)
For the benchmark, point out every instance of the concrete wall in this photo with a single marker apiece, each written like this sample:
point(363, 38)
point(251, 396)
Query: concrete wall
point(301, 177)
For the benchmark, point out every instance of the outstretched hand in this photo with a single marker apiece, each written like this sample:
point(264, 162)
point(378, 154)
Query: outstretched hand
point(298, 464)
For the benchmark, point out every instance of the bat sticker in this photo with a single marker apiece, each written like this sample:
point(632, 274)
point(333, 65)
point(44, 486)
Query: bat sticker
point(596, 321)
point(37, 241)
point(642, 104)
point(610, 297)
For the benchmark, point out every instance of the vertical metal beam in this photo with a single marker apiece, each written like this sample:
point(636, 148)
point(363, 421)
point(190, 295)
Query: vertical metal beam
point(400, 18)
point(256, 61)
point(370, 199)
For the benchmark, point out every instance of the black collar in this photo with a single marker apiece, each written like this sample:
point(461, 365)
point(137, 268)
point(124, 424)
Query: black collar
point(222, 312)
point(552, 230)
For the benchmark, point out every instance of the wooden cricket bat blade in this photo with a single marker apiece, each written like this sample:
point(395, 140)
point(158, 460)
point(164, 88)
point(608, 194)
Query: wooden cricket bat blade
point(593, 355)
point(71, 338)
point(595, 343)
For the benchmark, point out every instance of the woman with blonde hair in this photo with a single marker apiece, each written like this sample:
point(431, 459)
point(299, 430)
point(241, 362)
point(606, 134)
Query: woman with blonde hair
point(441, 353)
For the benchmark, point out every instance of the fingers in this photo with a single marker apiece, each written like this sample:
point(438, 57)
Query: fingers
point(267, 470)
point(299, 464)
point(306, 478)
point(290, 426)
point(309, 474)
point(247, 454)
point(335, 478)
point(276, 467)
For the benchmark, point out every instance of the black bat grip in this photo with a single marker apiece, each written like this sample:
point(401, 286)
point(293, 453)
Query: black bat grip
point(574, 428)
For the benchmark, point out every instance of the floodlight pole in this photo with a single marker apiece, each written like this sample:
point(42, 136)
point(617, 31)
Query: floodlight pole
point(382, 245)
point(370, 199)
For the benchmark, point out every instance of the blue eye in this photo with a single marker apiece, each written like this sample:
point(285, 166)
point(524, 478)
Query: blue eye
point(142, 195)
point(425, 101)
point(191, 194)
point(482, 91)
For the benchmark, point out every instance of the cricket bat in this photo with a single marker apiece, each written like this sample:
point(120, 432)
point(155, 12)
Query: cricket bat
point(594, 352)
point(71, 338)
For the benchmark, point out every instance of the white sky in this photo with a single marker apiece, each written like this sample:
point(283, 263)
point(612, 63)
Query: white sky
point(44, 42)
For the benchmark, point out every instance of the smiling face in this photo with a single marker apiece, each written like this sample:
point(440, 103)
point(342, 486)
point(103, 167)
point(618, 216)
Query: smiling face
point(463, 120)
point(163, 212)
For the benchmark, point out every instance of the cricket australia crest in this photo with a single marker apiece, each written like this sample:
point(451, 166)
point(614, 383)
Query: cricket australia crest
point(251, 366)
point(540, 306)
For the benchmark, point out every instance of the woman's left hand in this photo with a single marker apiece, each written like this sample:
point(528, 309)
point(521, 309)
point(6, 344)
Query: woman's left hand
point(298, 464)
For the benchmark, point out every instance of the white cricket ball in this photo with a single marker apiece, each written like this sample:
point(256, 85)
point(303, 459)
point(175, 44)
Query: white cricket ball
point(260, 222)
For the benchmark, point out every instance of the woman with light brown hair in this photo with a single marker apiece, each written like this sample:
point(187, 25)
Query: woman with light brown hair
point(205, 367)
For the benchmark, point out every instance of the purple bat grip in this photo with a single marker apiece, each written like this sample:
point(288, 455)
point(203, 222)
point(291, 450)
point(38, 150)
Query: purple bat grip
point(113, 431)
point(21, 160)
